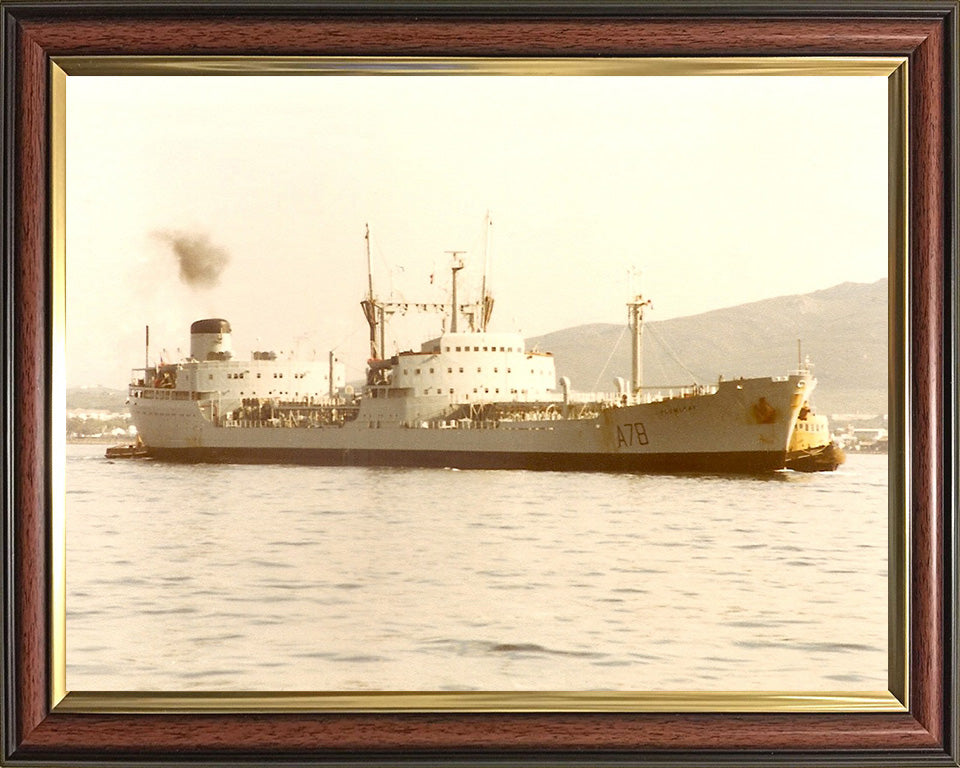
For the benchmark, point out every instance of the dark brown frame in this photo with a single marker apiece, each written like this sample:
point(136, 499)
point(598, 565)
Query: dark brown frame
point(925, 32)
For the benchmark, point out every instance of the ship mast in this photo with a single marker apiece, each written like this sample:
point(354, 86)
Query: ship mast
point(371, 310)
point(635, 309)
point(454, 268)
point(486, 301)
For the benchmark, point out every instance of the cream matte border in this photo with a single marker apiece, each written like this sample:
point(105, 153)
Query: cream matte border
point(893, 700)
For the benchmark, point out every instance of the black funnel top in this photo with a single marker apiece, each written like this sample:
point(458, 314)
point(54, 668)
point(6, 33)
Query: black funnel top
point(212, 325)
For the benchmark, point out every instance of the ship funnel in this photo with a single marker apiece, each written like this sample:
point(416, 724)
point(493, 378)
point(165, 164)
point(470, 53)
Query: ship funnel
point(210, 340)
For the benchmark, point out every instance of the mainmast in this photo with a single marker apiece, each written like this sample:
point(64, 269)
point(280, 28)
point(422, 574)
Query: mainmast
point(635, 309)
point(375, 310)
point(454, 308)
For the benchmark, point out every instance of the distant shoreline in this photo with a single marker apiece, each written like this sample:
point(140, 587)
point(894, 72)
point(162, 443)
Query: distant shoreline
point(103, 440)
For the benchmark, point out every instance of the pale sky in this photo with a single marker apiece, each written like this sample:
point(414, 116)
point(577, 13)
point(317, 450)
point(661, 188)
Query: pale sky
point(720, 190)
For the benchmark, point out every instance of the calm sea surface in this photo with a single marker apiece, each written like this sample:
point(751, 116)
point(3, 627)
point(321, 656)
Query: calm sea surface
point(228, 577)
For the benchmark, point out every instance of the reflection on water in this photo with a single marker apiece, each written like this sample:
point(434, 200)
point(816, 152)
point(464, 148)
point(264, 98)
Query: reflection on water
point(228, 577)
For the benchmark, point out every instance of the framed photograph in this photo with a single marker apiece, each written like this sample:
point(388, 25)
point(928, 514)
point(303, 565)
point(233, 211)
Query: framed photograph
point(532, 384)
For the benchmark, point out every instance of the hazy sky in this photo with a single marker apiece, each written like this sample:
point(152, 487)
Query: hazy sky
point(721, 190)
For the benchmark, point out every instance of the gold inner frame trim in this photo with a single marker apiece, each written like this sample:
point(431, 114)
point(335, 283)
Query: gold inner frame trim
point(58, 384)
point(480, 701)
point(820, 66)
point(893, 700)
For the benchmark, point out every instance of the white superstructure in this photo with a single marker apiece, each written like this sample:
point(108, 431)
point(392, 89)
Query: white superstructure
point(212, 370)
point(479, 366)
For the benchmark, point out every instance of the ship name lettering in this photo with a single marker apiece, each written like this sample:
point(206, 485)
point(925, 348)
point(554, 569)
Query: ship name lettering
point(675, 410)
point(631, 434)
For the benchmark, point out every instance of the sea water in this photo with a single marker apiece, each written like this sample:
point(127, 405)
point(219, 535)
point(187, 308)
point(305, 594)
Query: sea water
point(237, 577)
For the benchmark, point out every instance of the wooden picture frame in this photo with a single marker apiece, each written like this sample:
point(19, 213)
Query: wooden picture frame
point(37, 732)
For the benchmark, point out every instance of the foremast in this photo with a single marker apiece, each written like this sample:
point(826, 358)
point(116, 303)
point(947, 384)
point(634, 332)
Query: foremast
point(635, 308)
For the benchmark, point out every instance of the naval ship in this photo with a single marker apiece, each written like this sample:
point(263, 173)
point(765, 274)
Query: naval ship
point(468, 398)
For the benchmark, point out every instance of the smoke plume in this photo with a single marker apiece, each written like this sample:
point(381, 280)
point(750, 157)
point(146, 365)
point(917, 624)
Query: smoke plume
point(201, 262)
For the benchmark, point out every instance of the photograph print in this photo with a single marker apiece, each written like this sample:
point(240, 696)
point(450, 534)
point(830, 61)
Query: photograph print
point(477, 383)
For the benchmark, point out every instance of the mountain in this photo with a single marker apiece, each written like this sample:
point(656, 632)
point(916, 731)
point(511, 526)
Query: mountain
point(842, 329)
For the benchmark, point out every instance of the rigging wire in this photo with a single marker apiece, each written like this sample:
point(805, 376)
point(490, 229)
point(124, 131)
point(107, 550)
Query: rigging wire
point(603, 370)
point(349, 336)
point(669, 350)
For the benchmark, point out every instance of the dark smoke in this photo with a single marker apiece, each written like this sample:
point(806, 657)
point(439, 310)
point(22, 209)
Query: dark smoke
point(201, 262)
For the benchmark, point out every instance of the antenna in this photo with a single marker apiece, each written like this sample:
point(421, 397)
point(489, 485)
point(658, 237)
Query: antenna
point(633, 273)
point(366, 238)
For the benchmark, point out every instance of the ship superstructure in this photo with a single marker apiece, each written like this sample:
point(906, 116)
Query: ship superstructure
point(224, 387)
point(468, 398)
